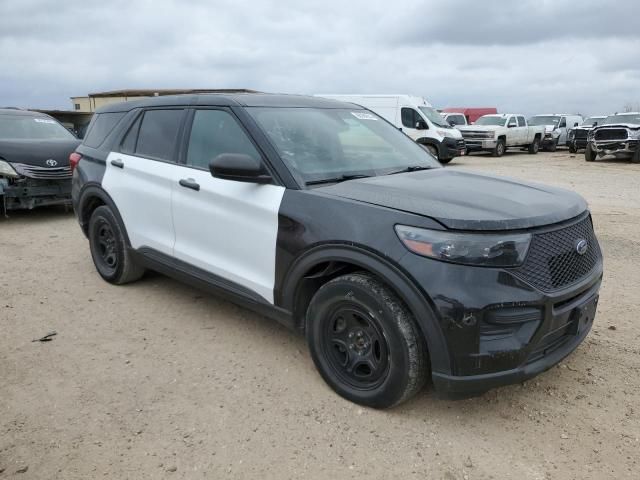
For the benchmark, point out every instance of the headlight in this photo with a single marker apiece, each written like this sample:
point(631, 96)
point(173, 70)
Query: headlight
point(7, 170)
point(634, 135)
point(490, 250)
point(490, 135)
point(444, 133)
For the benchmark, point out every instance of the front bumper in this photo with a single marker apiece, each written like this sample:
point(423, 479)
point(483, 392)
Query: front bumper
point(478, 144)
point(549, 139)
point(452, 147)
point(499, 329)
point(617, 148)
point(28, 193)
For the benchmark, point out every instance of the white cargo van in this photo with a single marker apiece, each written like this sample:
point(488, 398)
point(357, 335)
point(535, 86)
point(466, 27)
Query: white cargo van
point(415, 117)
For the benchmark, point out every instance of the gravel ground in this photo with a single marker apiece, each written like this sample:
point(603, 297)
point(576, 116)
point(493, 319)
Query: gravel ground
point(157, 380)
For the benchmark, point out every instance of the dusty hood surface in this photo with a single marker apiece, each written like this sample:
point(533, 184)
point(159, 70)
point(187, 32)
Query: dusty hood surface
point(37, 152)
point(465, 201)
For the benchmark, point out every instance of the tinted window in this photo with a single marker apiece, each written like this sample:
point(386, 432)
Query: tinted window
point(521, 122)
point(101, 126)
point(158, 133)
point(409, 117)
point(214, 132)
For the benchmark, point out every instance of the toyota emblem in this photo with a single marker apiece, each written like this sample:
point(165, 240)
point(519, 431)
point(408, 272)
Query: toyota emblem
point(581, 246)
point(51, 162)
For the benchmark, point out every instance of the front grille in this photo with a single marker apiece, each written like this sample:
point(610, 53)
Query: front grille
point(611, 134)
point(468, 134)
point(43, 173)
point(553, 263)
point(580, 134)
point(460, 144)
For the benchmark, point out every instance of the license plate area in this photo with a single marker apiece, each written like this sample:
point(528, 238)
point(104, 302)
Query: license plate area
point(583, 315)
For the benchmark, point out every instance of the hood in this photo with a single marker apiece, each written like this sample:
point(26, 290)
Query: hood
point(631, 126)
point(465, 201)
point(479, 128)
point(549, 128)
point(37, 152)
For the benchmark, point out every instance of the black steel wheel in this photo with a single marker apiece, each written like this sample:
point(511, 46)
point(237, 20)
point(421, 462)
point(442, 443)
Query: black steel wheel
point(365, 342)
point(109, 251)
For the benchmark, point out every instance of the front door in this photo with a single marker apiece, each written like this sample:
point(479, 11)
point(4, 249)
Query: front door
point(410, 118)
point(225, 227)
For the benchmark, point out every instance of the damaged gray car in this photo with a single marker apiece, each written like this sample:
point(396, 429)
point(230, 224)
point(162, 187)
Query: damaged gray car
point(34, 160)
point(617, 137)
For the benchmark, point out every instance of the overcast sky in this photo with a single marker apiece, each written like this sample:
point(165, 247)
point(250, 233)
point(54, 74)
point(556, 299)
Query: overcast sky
point(526, 56)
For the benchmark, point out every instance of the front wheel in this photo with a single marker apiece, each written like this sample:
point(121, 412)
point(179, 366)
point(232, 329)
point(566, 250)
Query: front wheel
point(499, 149)
point(589, 154)
point(554, 145)
point(444, 161)
point(365, 342)
point(535, 146)
point(433, 150)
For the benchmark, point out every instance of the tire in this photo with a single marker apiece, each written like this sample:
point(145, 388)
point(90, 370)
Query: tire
point(355, 325)
point(535, 146)
point(500, 148)
point(554, 146)
point(589, 155)
point(109, 251)
point(636, 156)
point(444, 161)
point(433, 150)
point(572, 148)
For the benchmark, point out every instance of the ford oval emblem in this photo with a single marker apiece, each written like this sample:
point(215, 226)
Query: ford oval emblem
point(582, 246)
point(51, 162)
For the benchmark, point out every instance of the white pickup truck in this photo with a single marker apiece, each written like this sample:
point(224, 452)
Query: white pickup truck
point(496, 133)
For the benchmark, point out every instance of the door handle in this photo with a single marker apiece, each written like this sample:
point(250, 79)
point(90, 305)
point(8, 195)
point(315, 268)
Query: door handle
point(189, 183)
point(117, 163)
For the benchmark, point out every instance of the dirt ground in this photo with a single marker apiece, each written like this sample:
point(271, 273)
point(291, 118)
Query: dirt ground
point(157, 380)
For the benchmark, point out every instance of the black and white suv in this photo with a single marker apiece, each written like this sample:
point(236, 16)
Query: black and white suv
point(325, 217)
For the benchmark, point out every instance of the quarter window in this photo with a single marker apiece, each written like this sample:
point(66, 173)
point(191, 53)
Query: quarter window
point(101, 125)
point(214, 132)
point(158, 134)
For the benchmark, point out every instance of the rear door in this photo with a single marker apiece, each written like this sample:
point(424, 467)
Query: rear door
point(224, 227)
point(139, 178)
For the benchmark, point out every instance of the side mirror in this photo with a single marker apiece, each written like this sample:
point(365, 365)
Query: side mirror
point(421, 125)
point(575, 124)
point(511, 125)
point(451, 122)
point(238, 167)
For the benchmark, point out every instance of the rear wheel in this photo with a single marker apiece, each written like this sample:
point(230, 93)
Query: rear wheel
point(535, 146)
point(109, 249)
point(500, 148)
point(589, 154)
point(364, 341)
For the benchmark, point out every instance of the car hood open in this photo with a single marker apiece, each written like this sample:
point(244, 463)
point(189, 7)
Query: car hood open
point(37, 152)
point(465, 201)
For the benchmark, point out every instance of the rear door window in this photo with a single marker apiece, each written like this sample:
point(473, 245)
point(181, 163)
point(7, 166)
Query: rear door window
point(100, 127)
point(158, 134)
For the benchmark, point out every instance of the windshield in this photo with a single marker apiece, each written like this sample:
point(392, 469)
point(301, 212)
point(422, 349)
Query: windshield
point(633, 118)
point(434, 117)
point(24, 127)
point(318, 144)
point(591, 120)
point(544, 120)
point(491, 120)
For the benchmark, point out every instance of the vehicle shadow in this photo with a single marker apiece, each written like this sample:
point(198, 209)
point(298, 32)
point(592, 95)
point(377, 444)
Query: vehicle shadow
point(41, 214)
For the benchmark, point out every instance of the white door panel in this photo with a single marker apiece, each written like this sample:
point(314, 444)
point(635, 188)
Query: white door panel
point(228, 228)
point(142, 191)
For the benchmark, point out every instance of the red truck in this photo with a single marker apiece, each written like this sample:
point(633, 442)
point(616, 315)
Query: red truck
point(470, 114)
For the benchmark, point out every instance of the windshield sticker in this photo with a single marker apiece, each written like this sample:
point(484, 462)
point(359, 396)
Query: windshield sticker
point(44, 120)
point(364, 116)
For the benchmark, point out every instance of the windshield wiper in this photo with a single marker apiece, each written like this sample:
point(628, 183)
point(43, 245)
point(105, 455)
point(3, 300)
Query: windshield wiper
point(411, 168)
point(341, 178)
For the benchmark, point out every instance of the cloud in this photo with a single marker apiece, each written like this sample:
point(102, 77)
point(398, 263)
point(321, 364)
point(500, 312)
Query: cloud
point(525, 56)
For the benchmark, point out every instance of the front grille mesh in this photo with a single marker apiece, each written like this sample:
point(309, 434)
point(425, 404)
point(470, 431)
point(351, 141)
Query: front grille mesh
point(580, 134)
point(553, 262)
point(611, 134)
point(43, 173)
